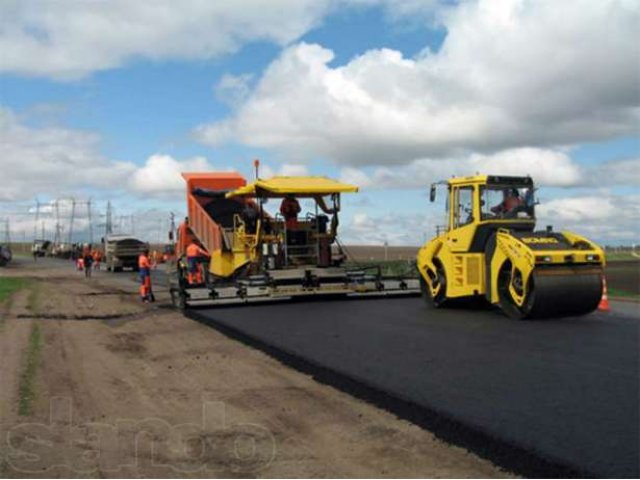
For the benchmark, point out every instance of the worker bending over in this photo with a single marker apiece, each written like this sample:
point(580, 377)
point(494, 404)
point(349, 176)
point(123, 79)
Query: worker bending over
point(144, 270)
point(194, 270)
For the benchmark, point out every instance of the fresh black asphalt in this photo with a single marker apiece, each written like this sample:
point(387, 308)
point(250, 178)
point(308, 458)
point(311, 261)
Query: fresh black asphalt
point(565, 391)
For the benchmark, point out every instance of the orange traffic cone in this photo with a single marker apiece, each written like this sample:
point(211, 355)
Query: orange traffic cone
point(604, 301)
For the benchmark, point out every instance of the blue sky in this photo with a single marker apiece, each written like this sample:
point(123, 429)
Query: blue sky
point(388, 94)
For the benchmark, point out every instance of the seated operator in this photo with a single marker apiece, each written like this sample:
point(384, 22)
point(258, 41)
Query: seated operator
point(510, 201)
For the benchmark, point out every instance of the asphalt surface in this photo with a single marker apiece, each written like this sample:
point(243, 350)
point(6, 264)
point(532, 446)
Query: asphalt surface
point(565, 391)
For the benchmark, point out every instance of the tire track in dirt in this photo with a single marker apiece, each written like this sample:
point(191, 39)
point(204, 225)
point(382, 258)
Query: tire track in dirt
point(154, 394)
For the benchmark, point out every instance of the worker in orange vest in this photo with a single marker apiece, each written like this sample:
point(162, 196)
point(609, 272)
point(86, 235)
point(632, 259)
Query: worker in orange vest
point(144, 269)
point(194, 252)
point(510, 201)
point(97, 258)
point(290, 208)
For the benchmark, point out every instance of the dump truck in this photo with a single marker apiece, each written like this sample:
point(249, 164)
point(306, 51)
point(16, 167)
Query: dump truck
point(63, 250)
point(40, 248)
point(490, 250)
point(253, 256)
point(122, 251)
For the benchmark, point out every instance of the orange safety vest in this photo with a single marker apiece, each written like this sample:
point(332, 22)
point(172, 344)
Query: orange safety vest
point(289, 208)
point(194, 250)
point(143, 261)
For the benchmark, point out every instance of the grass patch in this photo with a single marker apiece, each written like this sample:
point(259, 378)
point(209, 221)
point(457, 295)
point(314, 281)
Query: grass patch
point(26, 391)
point(620, 256)
point(614, 292)
point(11, 285)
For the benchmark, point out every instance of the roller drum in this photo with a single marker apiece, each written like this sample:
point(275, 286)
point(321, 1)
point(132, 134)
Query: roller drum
point(558, 292)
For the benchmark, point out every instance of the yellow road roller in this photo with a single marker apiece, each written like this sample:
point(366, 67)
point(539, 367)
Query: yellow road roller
point(490, 249)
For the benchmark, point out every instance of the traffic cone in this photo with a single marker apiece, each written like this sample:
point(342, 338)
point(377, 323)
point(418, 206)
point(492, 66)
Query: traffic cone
point(604, 301)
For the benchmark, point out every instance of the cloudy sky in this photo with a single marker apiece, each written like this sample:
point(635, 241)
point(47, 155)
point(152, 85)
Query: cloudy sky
point(111, 99)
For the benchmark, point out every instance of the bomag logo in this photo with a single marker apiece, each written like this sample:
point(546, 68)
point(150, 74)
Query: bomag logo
point(539, 240)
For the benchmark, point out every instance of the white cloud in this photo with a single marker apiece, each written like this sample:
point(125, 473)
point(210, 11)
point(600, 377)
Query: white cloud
point(357, 177)
point(605, 218)
point(52, 160)
point(233, 89)
point(547, 167)
point(579, 209)
point(510, 73)
point(160, 175)
point(616, 172)
point(293, 170)
point(396, 229)
point(69, 39)
point(285, 170)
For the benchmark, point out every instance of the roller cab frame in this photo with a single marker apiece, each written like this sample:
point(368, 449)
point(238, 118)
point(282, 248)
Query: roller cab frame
point(253, 257)
point(489, 249)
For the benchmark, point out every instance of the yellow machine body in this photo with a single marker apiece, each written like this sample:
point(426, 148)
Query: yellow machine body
point(257, 256)
point(489, 251)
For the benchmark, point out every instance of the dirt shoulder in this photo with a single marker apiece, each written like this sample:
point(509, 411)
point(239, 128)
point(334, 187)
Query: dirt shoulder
point(127, 390)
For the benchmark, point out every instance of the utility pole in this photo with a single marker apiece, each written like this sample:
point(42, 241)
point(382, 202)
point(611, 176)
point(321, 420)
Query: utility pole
point(35, 223)
point(172, 228)
point(57, 239)
point(108, 229)
point(42, 236)
point(90, 224)
point(73, 214)
point(7, 232)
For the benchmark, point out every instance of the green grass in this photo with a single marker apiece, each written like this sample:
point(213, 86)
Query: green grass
point(614, 292)
point(26, 391)
point(11, 285)
point(620, 256)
